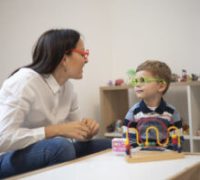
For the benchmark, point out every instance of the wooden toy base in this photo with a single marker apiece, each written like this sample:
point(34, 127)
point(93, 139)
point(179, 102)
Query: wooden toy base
point(145, 156)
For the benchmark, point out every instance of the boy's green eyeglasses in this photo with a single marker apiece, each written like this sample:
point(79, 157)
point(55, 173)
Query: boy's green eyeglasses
point(144, 80)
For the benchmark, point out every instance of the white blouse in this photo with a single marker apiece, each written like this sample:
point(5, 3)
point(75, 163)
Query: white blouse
point(28, 103)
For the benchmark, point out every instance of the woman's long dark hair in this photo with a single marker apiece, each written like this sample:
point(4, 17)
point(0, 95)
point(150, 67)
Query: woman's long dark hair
point(50, 48)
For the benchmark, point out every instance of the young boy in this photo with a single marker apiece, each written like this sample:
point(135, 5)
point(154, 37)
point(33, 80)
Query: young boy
point(150, 83)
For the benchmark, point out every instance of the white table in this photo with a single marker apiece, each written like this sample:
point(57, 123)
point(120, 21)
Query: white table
point(108, 166)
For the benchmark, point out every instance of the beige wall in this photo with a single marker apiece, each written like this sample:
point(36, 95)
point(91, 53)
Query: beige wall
point(119, 33)
point(160, 29)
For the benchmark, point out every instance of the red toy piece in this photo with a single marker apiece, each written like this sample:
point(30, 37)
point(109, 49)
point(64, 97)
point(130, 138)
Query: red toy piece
point(119, 82)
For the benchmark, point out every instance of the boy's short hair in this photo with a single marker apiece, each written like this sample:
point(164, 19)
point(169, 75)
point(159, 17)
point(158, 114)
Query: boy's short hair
point(158, 69)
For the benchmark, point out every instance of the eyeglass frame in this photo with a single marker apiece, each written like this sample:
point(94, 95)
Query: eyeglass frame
point(84, 53)
point(144, 80)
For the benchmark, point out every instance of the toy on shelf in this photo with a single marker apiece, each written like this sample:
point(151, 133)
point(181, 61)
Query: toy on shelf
point(119, 82)
point(118, 126)
point(194, 77)
point(115, 126)
point(114, 130)
point(185, 128)
point(110, 83)
point(131, 75)
point(197, 133)
point(185, 77)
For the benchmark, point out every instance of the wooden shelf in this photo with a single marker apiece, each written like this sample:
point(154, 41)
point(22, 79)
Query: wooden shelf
point(113, 134)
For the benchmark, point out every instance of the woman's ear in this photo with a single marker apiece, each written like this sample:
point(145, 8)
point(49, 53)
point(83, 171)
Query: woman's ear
point(63, 63)
point(64, 60)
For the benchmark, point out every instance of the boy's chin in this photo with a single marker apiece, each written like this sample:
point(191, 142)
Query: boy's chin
point(139, 96)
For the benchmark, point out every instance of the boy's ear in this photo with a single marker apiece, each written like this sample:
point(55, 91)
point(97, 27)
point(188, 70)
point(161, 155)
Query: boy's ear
point(162, 87)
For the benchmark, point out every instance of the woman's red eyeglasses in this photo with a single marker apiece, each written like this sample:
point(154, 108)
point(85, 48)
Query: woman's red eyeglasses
point(84, 53)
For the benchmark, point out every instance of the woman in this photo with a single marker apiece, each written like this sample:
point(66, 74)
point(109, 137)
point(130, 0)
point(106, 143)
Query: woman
point(40, 123)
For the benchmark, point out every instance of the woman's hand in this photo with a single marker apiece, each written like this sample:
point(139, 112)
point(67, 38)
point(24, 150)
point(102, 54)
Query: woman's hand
point(75, 129)
point(92, 125)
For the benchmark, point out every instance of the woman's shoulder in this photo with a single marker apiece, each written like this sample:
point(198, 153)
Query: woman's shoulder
point(22, 78)
point(26, 73)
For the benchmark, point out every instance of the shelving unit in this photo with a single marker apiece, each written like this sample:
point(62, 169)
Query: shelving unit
point(185, 96)
point(113, 104)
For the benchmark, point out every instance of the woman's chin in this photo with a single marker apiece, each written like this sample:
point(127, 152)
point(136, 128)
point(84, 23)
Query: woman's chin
point(78, 77)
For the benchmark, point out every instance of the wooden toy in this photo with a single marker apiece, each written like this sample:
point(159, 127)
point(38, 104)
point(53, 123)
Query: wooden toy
point(149, 151)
